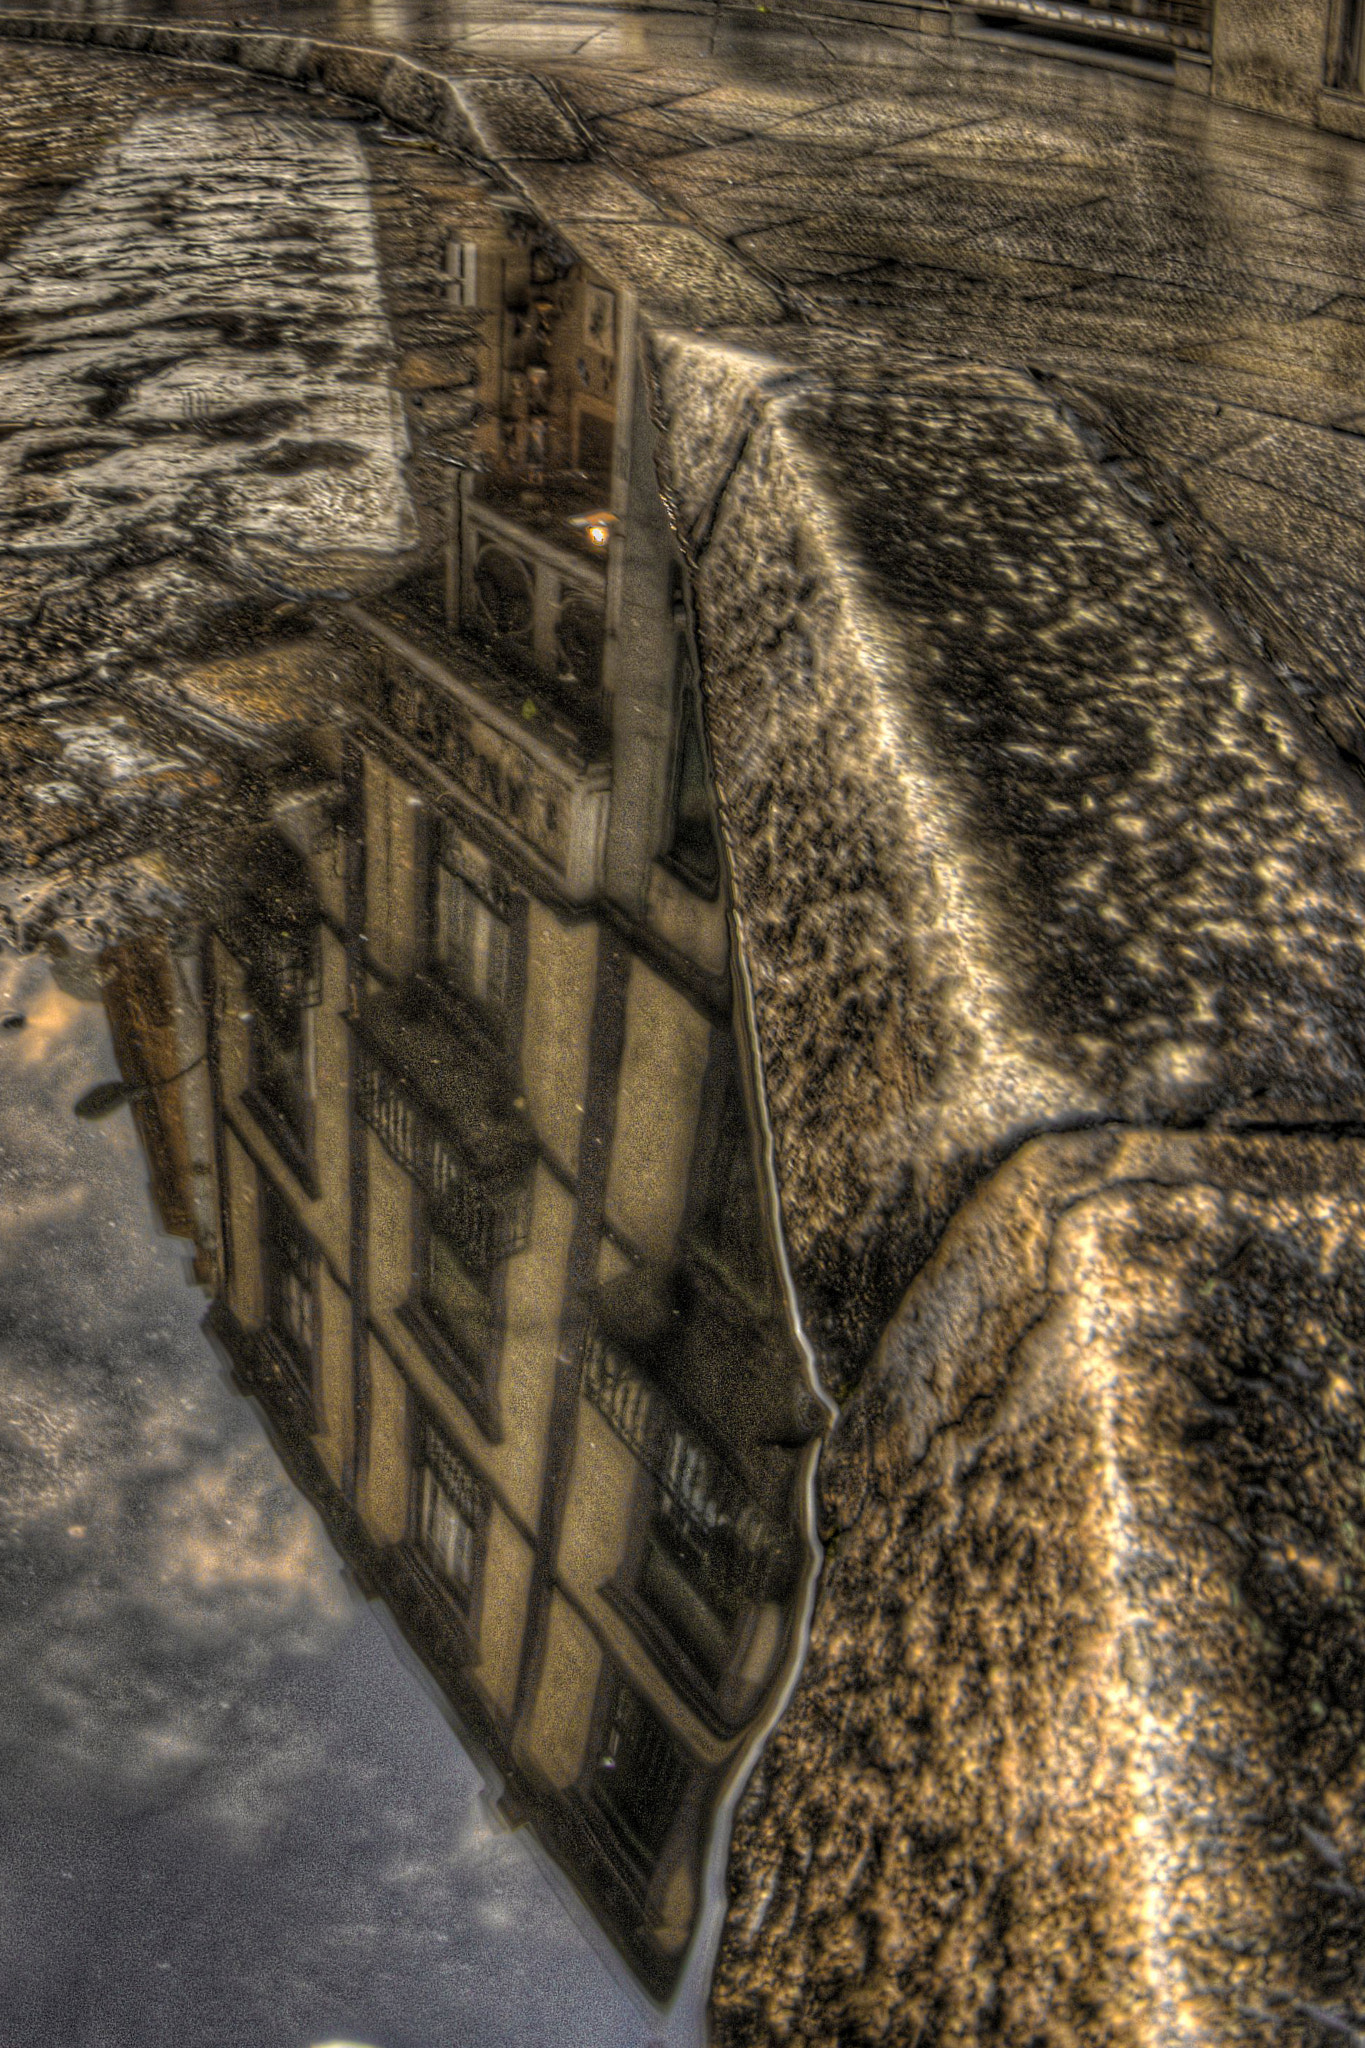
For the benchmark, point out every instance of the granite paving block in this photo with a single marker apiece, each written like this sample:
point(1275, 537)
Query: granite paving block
point(580, 192)
point(517, 117)
point(679, 273)
point(1076, 1753)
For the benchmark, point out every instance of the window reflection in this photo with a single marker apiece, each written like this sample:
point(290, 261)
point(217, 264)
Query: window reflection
point(637, 1778)
point(693, 1571)
point(470, 940)
point(288, 1270)
point(279, 1065)
point(451, 1513)
point(455, 1293)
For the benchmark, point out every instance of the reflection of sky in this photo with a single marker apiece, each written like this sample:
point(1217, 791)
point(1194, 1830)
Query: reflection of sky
point(230, 1814)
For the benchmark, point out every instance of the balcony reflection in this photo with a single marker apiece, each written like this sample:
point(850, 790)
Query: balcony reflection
point(490, 1246)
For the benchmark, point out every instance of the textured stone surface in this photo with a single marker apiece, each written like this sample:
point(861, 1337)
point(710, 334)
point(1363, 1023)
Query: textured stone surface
point(196, 383)
point(1162, 264)
point(201, 345)
point(517, 117)
point(585, 192)
point(1065, 856)
point(1269, 54)
point(1076, 1755)
point(679, 273)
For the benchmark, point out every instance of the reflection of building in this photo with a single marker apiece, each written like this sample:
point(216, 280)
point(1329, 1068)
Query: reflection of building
point(493, 1251)
point(151, 997)
point(536, 519)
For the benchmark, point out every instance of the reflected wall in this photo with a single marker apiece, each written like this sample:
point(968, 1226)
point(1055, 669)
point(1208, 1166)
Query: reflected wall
point(488, 1240)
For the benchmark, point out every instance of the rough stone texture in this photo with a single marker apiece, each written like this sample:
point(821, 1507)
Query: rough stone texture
point(1065, 856)
point(196, 382)
point(517, 117)
point(585, 192)
point(1269, 54)
point(1076, 1756)
point(200, 345)
point(1186, 280)
point(679, 273)
point(284, 57)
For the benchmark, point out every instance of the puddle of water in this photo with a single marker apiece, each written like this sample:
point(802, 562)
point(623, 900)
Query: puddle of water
point(443, 1088)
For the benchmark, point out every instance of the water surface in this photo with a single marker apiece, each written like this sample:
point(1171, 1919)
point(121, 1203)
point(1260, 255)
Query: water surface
point(407, 1439)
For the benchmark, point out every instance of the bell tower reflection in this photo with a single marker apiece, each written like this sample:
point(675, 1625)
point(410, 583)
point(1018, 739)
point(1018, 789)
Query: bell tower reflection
point(493, 1256)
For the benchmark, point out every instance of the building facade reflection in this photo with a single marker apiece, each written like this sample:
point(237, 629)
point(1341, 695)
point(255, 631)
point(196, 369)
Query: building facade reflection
point(491, 1249)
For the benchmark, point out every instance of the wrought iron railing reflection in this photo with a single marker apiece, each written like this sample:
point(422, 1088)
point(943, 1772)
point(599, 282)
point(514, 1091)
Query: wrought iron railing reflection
point(705, 1496)
point(488, 1217)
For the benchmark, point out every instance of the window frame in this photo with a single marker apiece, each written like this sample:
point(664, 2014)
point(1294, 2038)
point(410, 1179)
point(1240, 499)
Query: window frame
point(500, 1019)
point(638, 1869)
point(659, 1515)
point(293, 1141)
point(296, 1357)
point(705, 1693)
point(429, 1436)
point(473, 1379)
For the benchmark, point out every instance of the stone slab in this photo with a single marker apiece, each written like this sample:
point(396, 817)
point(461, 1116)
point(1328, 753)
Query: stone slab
point(679, 273)
point(1065, 853)
point(585, 192)
point(513, 118)
point(1077, 1755)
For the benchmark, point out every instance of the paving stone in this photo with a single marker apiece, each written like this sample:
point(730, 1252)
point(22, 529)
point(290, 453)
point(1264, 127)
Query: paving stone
point(275, 56)
point(1327, 467)
point(679, 273)
point(300, 465)
point(579, 192)
point(358, 74)
point(1076, 1751)
point(517, 117)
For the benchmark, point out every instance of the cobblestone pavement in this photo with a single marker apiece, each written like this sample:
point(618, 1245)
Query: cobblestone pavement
point(1187, 278)
point(1188, 281)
